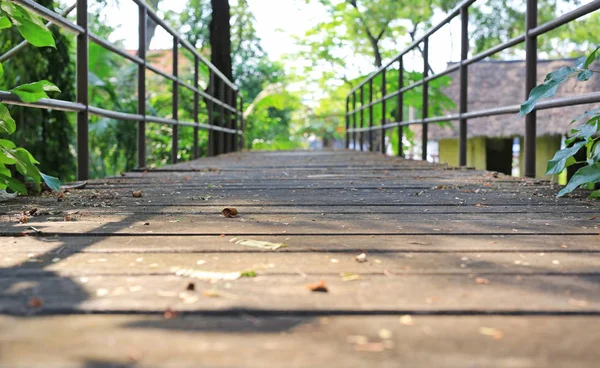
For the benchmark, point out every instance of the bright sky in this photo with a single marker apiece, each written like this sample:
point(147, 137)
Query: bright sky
point(277, 22)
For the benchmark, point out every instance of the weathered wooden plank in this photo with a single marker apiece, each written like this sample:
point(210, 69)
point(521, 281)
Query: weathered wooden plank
point(286, 263)
point(455, 245)
point(302, 244)
point(400, 294)
point(295, 341)
point(303, 224)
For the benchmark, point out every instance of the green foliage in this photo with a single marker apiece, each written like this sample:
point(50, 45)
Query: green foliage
point(580, 137)
point(36, 33)
point(30, 27)
point(32, 92)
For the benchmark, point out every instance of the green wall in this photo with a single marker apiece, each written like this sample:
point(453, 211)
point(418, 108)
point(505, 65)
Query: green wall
point(546, 147)
point(476, 155)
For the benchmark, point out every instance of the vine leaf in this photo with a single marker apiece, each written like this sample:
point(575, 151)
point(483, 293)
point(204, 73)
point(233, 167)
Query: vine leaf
point(12, 183)
point(559, 161)
point(29, 26)
point(5, 22)
point(35, 91)
point(587, 174)
point(7, 123)
point(51, 181)
point(595, 194)
point(585, 131)
point(585, 62)
point(547, 89)
point(588, 114)
point(584, 75)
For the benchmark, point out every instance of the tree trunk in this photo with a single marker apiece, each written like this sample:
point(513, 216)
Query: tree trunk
point(220, 37)
point(220, 56)
point(151, 25)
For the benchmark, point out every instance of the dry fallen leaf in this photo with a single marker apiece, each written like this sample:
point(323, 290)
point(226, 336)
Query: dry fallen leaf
point(170, 314)
point(482, 281)
point(229, 212)
point(211, 276)
point(493, 332)
point(35, 302)
point(361, 258)
point(258, 243)
point(318, 287)
point(349, 276)
point(23, 220)
point(137, 193)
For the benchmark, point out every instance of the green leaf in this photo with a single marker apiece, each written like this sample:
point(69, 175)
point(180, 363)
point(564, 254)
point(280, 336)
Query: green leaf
point(594, 154)
point(30, 27)
point(588, 114)
point(584, 132)
point(559, 161)
point(5, 22)
point(584, 62)
point(595, 194)
point(584, 75)
point(1, 71)
point(547, 89)
point(560, 74)
point(7, 123)
point(587, 174)
point(52, 182)
point(13, 184)
point(25, 164)
point(35, 91)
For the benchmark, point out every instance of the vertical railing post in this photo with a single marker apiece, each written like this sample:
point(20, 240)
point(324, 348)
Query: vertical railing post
point(362, 117)
point(530, 81)
point(220, 134)
point(196, 106)
point(228, 136)
point(400, 107)
point(383, 109)
point(425, 111)
point(211, 115)
point(464, 85)
point(175, 101)
point(347, 122)
point(371, 111)
point(242, 127)
point(83, 151)
point(141, 90)
point(234, 136)
point(354, 120)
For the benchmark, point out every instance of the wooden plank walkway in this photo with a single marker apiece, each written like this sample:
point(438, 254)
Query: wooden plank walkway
point(463, 268)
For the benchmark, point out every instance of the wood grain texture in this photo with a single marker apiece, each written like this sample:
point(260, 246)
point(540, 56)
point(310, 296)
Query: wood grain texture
point(493, 270)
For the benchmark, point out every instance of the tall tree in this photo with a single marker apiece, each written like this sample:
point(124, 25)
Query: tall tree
point(220, 37)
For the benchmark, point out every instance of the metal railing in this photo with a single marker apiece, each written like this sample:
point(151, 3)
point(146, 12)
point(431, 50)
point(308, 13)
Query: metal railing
point(533, 30)
point(225, 126)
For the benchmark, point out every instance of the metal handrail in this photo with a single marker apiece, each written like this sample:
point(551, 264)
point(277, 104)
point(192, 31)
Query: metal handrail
point(533, 30)
point(224, 132)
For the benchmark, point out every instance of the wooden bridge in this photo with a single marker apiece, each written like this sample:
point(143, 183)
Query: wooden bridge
point(299, 259)
point(419, 265)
